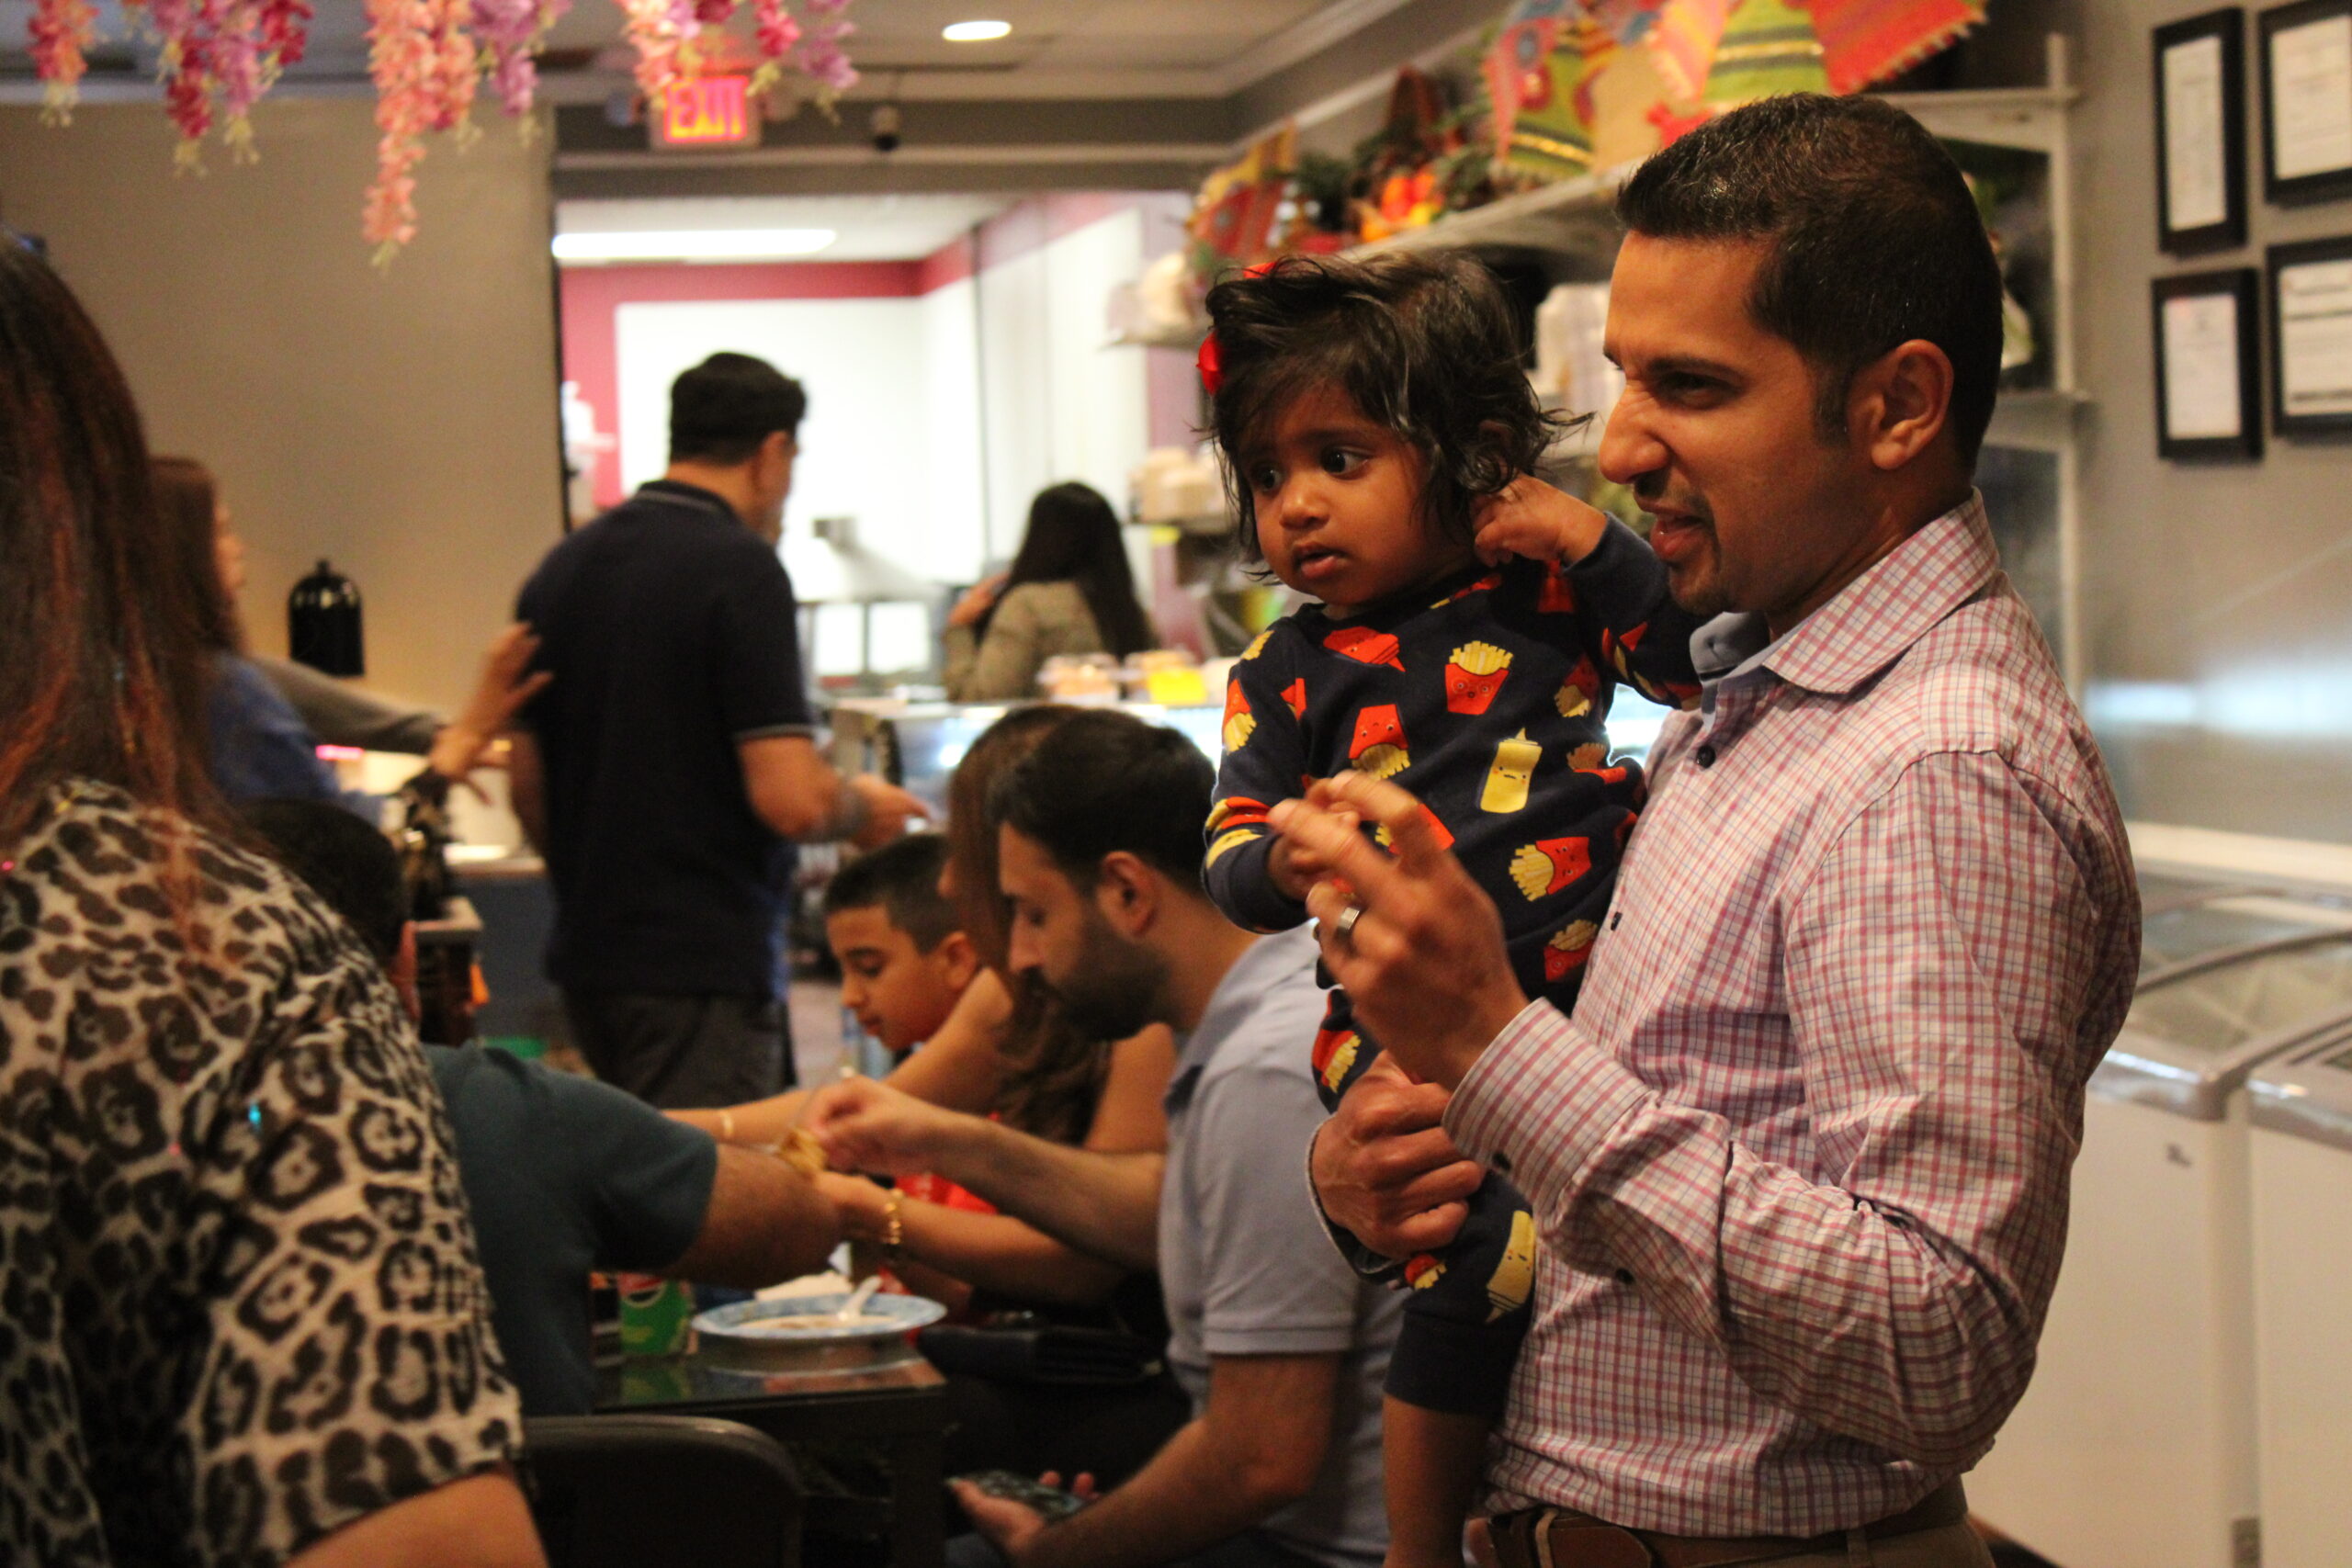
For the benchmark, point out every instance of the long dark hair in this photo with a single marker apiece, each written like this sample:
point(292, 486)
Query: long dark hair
point(187, 505)
point(1053, 1075)
point(101, 673)
point(1073, 536)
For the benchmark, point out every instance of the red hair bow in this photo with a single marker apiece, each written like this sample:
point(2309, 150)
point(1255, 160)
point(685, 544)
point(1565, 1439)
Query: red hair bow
point(1211, 364)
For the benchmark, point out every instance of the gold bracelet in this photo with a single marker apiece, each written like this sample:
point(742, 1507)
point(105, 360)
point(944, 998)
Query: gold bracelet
point(727, 1126)
point(894, 1227)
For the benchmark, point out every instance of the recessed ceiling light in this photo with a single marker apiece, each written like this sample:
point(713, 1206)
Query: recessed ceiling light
point(973, 32)
point(691, 244)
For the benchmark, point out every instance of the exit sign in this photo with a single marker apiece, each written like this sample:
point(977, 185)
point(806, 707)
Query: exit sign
point(707, 111)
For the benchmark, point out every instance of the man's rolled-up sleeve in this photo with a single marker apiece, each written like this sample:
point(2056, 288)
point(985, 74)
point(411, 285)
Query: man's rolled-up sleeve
point(1938, 964)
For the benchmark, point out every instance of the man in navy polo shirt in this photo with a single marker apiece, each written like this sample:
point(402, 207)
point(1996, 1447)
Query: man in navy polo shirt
point(670, 766)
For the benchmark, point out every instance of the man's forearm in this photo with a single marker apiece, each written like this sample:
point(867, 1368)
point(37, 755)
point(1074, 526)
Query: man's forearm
point(1106, 1204)
point(1193, 1494)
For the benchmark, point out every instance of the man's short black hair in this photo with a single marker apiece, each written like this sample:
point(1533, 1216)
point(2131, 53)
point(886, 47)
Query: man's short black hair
point(1103, 781)
point(350, 865)
point(1876, 240)
point(722, 409)
point(901, 879)
point(1427, 346)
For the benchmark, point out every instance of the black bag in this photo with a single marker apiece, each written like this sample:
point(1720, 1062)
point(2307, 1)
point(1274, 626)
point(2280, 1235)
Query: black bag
point(1049, 1353)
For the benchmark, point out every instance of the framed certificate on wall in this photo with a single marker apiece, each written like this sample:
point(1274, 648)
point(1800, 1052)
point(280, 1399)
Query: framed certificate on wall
point(2307, 101)
point(2311, 332)
point(2209, 385)
point(2200, 132)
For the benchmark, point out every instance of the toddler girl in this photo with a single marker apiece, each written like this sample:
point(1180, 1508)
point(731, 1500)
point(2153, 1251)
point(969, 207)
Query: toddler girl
point(1379, 434)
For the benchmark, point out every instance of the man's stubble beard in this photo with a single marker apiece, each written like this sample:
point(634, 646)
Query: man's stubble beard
point(1119, 987)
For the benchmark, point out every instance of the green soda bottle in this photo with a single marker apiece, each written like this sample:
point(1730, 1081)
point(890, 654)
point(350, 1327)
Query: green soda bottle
point(657, 1315)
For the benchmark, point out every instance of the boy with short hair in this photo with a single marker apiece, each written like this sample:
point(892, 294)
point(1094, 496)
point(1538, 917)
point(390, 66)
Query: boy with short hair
point(904, 960)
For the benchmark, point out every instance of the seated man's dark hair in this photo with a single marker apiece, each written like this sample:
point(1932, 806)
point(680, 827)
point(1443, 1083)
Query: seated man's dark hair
point(351, 866)
point(1427, 346)
point(1102, 781)
point(901, 879)
point(1876, 240)
point(722, 409)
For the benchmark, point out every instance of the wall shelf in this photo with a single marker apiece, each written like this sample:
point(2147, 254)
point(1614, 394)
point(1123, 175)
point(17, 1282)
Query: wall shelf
point(1576, 218)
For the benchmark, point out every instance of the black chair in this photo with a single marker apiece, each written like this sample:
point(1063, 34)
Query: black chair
point(626, 1491)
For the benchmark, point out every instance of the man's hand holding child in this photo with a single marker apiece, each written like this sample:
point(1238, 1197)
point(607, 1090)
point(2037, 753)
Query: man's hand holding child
point(1528, 517)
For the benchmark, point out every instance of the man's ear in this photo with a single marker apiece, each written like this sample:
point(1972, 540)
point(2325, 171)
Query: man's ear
point(1127, 893)
point(1900, 403)
point(958, 960)
point(402, 970)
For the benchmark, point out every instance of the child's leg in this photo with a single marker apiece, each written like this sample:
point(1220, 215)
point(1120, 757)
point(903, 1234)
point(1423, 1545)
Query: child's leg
point(1464, 1316)
point(1430, 1461)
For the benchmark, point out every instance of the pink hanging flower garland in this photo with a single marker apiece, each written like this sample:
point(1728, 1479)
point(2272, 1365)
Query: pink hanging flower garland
point(821, 55)
point(425, 57)
point(62, 31)
point(776, 32)
point(400, 60)
point(510, 31)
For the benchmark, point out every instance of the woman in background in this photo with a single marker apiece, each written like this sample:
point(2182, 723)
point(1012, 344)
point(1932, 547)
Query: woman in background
point(203, 1072)
point(1068, 591)
point(258, 747)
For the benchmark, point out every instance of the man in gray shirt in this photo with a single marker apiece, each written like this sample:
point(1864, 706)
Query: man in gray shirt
point(1280, 1345)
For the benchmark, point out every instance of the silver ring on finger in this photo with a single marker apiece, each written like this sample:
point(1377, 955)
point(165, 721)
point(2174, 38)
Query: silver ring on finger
point(1344, 927)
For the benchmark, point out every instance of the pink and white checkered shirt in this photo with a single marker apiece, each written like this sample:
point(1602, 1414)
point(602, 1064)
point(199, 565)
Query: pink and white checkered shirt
point(1800, 1159)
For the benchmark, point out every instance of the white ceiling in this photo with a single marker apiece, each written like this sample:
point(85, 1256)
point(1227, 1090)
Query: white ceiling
point(870, 228)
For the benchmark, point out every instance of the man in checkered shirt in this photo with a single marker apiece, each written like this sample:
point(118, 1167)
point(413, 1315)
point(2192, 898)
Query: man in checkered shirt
point(1800, 1159)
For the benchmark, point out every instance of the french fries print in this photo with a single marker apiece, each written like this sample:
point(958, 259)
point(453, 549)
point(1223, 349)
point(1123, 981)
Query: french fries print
point(1567, 952)
point(1378, 747)
point(1240, 722)
point(1474, 676)
point(1366, 646)
point(1574, 697)
point(1548, 865)
point(1335, 1057)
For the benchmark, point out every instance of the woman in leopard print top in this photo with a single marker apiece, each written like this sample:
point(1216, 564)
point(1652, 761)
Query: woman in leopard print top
point(241, 1318)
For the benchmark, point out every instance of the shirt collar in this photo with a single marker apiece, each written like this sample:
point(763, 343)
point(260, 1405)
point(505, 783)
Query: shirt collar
point(678, 490)
point(1261, 963)
point(1873, 620)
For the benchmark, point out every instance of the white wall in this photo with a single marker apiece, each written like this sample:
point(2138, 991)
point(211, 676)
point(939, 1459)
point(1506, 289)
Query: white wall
point(932, 421)
point(864, 449)
point(1061, 404)
point(951, 387)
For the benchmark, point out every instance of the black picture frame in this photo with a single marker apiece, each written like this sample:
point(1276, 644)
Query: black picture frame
point(2320, 185)
point(2227, 26)
point(2280, 259)
point(2241, 286)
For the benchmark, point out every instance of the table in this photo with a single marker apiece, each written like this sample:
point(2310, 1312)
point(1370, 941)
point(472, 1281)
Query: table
point(903, 1406)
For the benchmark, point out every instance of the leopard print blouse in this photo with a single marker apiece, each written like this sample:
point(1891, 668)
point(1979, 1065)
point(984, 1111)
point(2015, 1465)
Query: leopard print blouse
point(239, 1302)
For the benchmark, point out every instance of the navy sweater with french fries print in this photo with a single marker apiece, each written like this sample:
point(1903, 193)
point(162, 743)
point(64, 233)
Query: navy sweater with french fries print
point(1485, 696)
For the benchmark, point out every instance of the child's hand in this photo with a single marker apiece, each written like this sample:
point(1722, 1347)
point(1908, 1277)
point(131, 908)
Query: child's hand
point(1295, 869)
point(1529, 518)
point(1291, 875)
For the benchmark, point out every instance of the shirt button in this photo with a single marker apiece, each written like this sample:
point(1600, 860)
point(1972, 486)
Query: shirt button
point(1624, 1276)
point(1705, 755)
